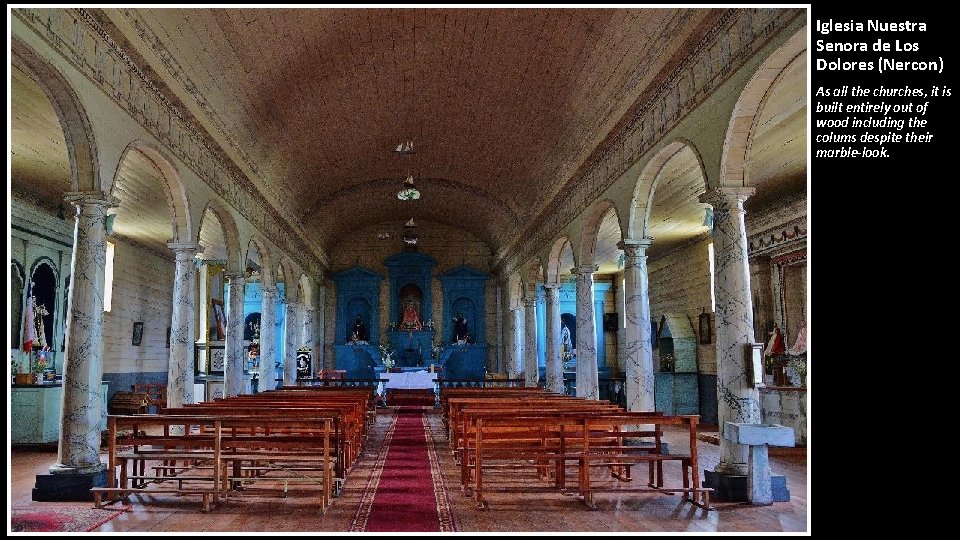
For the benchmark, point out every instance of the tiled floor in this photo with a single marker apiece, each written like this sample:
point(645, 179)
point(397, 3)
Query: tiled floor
point(507, 511)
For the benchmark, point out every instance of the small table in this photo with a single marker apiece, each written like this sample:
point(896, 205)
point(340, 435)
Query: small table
point(758, 437)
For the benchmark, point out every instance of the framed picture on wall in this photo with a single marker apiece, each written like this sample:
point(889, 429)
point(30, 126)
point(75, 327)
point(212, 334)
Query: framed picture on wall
point(137, 334)
point(215, 390)
point(704, 328)
point(221, 318)
point(216, 359)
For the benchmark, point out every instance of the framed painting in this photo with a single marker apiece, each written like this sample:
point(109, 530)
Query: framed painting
point(137, 334)
point(704, 324)
point(216, 359)
point(215, 390)
point(221, 318)
point(754, 358)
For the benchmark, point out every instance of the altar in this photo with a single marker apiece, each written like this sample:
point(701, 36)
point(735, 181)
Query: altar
point(410, 380)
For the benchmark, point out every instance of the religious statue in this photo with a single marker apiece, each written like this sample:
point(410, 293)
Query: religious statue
point(358, 333)
point(411, 319)
point(41, 312)
point(565, 341)
point(460, 331)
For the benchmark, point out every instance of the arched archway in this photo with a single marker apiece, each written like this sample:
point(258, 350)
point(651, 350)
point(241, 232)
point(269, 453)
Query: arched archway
point(77, 132)
point(679, 158)
point(736, 146)
point(229, 233)
point(154, 175)
point(560, 260)
point(603, 224)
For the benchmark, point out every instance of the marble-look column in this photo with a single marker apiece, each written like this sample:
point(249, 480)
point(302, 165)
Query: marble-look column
point(531, 372)
point(236, 356)
point(639, 373)
point(500, 349)
point(516, 365)
point(78, 452)
point(268, 340)
point(738, 400)
point(554, 371)
point(307, 317)
point(320, 327)
point(182, 323)
point(290, 344)
point(587, 383)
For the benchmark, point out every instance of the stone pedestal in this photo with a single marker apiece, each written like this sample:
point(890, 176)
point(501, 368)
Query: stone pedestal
point(68, 487)
point(758, 486)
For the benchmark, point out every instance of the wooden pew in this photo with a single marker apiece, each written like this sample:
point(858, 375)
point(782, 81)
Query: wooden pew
point(209, 447)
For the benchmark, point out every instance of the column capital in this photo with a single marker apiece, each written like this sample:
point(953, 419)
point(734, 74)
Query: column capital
point(584, 269)
point(550, 286)
point(185, 248)
point(88, 198)
point(726, 195)
point(634, 244)
point(264, 290)
point(235, 278)
point(530, 299)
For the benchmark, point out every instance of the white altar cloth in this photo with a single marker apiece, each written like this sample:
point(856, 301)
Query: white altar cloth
point(410, 380)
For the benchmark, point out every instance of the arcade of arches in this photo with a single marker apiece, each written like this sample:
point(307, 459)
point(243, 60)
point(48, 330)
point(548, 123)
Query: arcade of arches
point(612, 207)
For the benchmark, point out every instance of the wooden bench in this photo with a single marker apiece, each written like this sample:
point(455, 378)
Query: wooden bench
point(207, 455)
point(552, 442)
point(156, 394)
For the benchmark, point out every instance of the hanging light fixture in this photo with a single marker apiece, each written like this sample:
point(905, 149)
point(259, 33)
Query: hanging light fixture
point(409, 192)
point(405, 148)
point(410, 237)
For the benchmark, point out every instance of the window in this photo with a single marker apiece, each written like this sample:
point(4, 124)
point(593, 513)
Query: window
point(108, 279)
point(713, 291)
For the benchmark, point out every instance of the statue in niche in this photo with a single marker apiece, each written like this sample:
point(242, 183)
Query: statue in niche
point(461, 333)
point(359, 331)
point(411, 318)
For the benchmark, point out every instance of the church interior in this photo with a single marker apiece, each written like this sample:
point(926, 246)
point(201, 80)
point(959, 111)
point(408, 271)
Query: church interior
point(450, 270)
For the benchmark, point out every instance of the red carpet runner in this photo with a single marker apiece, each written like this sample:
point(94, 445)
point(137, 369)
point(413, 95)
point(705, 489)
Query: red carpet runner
point(406, 491)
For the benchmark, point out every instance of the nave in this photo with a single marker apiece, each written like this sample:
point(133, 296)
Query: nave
point(507, 512)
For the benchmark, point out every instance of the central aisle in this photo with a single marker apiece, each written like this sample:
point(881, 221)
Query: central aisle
point(406, 491)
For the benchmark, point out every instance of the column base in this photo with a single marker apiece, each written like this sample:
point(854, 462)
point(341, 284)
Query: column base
point(733, 487)
point(68, 487)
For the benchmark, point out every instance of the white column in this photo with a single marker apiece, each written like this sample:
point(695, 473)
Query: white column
point(531, 373)
point(291, 337)
point(320, 329)
point(554, 371)
point(516, 365)
point(236, 356)
point(81, 406)
point(738, 401)
point(180, 369)
point(268, 340)
point(500, 346)
point(587, 383)
point(307, 317)
point(639, 373)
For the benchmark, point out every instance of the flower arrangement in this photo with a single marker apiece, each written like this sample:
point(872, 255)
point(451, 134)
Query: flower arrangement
point(386, 356)
point(436, 350)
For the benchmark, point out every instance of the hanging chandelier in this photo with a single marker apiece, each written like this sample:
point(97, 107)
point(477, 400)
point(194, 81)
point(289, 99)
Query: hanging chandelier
point(409, 191)
point(410, 237)
point(405, 148)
